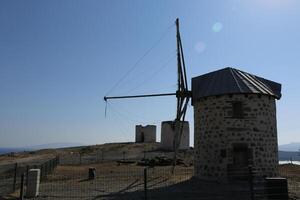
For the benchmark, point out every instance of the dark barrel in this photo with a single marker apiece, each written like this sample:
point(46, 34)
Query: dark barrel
point(92, 173)
point(277, 188)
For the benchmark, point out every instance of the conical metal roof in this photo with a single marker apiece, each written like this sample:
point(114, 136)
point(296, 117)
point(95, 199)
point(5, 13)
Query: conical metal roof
point(232, 81)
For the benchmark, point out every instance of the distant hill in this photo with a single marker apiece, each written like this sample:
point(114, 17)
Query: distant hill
point(8, 150)
point(54, 146)
point(295, 146)
point(38, 147)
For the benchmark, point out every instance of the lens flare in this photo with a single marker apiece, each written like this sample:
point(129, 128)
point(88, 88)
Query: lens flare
point(200, 47)
point(217, 27)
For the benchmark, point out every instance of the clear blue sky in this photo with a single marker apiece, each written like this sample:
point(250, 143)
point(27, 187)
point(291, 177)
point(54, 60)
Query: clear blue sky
point(59, 58)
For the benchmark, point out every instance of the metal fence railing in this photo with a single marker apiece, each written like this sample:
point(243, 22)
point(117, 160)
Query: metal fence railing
point(10, 178)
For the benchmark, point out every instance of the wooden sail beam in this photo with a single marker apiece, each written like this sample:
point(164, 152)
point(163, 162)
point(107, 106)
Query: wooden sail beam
point(177, 94)
point(139, 96)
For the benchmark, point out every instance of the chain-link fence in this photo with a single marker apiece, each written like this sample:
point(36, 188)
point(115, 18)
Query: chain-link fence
point(112, 180)
point(10, 176)
point(133, 182)
point(137, 182)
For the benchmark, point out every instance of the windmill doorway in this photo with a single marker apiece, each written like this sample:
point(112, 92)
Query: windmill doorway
point(142, 137)
point(241, 156)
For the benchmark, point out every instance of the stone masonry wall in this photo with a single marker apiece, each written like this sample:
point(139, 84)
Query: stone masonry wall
point(145, 133)
point(168, 133)
point(216, 131)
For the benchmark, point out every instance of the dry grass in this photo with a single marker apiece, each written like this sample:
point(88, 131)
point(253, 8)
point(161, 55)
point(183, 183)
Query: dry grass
point(292, 173)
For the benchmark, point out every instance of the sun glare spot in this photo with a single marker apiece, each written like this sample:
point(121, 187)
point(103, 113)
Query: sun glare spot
point(217, 27)
point(200, 47)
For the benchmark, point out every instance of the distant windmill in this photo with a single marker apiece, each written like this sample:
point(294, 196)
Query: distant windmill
point(182, 94)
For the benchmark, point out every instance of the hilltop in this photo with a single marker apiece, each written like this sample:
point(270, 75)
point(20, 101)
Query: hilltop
point(93, 153)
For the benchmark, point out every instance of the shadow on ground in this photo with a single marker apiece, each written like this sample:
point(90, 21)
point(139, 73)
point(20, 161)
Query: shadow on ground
point(189, 190)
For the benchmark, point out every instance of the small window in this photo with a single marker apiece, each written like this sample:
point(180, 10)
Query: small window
point(237, 109)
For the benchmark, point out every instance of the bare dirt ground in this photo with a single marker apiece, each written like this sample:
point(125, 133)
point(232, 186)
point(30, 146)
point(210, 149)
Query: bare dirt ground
point(92, 154)
point(112, 179)
point(7, 161)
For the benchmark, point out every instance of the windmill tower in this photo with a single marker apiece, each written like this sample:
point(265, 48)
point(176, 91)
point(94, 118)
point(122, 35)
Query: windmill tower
point(168, 133)
point(145, 134)
point(235, 124)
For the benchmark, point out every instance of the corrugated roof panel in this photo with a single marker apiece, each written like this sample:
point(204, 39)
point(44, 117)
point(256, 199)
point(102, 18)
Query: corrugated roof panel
point(232, 81)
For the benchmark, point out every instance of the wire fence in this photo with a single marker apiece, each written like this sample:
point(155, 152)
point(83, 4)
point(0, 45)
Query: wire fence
point(10, 177)
point(292, 173)
point(129, 181)
point(110, 185)
point(132, 182)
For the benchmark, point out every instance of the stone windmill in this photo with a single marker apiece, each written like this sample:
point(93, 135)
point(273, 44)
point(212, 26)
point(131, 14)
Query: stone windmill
point(235, 124)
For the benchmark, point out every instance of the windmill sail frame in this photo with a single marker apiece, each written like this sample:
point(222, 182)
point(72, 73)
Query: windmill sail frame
point(183, 95)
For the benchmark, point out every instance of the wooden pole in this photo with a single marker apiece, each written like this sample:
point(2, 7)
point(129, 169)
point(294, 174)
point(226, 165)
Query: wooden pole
point(145, 183)
point(27, 171)
point(22, 187)
point(15, 177)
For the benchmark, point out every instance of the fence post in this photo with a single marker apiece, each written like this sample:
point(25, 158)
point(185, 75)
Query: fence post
point(43, 168)
point(42, 171)
point(251, 182)
point(27, 171)
point(124, 155)
point(15, 177)
point(145, 183)
point(22, 187)
point(55, 161)
point(48, 167)
point(51, 165)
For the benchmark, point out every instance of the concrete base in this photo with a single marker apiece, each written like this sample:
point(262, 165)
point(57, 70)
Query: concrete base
point(32, 189)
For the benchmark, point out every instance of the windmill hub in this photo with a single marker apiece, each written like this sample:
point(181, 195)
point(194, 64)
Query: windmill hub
point(183, 94)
